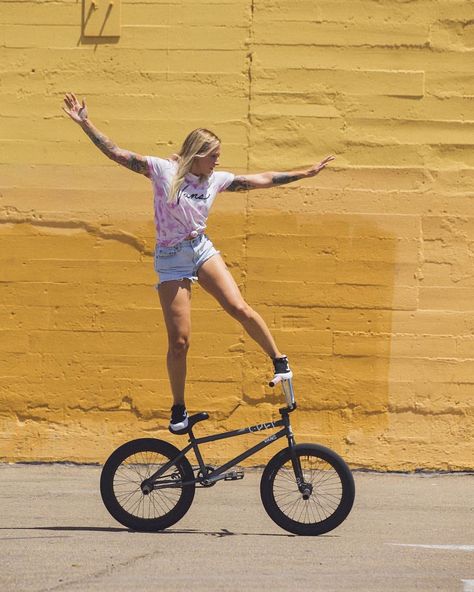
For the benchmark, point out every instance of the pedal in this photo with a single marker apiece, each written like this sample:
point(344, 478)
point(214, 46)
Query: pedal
point(234, 476)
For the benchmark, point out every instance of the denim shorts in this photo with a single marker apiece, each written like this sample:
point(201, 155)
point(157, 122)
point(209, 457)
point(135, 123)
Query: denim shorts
point(183, 260)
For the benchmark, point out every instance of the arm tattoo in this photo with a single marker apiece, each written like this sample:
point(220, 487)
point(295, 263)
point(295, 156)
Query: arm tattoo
point(283, 178)
point(243, 184)
point(130, 160)
point(240, 184)
point(112, 151)
point(101, 141)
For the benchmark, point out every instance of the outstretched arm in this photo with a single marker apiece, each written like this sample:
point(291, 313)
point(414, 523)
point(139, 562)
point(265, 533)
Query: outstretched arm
point(271, 179)
point(78, 113)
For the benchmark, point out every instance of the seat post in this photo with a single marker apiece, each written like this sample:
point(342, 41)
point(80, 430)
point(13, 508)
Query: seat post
point(197, 452)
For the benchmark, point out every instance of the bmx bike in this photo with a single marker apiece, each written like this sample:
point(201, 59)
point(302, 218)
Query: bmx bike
point(307, 489)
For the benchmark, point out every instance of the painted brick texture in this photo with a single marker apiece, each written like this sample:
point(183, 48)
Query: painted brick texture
point(364, 273)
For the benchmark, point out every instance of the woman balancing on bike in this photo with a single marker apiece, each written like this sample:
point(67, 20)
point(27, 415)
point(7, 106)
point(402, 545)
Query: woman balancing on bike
point(184, 190)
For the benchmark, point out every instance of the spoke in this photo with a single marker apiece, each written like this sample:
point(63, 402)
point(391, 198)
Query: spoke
point(153, 502)
point(131, 509)
point(126, 497)
point(126, 474)
point(306, 512)
point(160, 504)
point(287, 474)
point(169, 497)
point(133, 467)
point(302, 507)
point(311, 507)
point(289, 505)
point(329, 498)
point(324, 477)
point(318, 509)
point(164, 501)
point(141, 506)
point(286, 494)
point(326, 490)
point(127, 485)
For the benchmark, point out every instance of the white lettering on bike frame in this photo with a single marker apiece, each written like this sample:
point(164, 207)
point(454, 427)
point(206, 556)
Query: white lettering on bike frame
point(270, 439)
point(262, 426)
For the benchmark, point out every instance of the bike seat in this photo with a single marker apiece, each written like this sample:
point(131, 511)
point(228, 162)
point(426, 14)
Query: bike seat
point(192, 420)
point(197, 417)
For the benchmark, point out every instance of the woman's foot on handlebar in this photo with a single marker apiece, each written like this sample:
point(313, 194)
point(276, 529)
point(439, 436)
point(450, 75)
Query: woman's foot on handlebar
point(282, 368)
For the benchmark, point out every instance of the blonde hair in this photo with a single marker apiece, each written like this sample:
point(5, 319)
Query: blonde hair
point(200, 142)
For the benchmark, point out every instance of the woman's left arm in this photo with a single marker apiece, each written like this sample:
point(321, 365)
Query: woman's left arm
point(271, 179)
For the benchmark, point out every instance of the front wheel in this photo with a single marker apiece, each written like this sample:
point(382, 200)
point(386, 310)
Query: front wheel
point(164, 502)
point(317, 505)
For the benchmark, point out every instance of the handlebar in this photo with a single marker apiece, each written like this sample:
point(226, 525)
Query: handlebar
point(287, 387)
point(275, 380)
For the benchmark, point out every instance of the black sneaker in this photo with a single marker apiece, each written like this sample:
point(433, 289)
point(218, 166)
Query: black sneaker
point(179, 418)
point(282, 368)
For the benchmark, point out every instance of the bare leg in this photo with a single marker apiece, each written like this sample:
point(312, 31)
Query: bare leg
point(216, 279)
point(175, 298)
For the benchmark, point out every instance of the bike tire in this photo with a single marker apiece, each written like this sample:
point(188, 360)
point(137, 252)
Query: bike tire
point(332, 495)
point(125, 470)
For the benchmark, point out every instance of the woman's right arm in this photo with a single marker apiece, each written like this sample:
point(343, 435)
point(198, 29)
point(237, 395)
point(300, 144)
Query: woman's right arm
point(130, 160)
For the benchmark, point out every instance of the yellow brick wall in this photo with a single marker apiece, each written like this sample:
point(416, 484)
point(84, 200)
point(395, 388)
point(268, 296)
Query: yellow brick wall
point(364, 273)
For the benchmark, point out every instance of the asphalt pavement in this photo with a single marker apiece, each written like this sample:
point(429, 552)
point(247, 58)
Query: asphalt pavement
point(405, 532)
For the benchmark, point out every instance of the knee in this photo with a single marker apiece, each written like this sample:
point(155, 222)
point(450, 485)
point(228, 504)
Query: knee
point(178, 346)
point(240, 311)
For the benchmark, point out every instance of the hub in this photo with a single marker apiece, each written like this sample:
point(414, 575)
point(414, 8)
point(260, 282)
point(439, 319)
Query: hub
point(146, 488)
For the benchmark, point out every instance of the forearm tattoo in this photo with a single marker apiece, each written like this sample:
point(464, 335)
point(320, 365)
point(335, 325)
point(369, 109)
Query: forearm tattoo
point(101, 141)
point(112, 151)
point(240, 184)
point(283, 178)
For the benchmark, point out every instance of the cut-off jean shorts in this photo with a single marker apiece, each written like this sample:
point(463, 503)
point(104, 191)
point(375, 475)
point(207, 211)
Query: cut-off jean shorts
point(182, 261)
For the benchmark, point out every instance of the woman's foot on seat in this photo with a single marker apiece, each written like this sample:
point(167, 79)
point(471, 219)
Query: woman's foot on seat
point(179, 418)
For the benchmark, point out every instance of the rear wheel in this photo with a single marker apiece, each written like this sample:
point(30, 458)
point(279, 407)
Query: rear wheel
point(155, 508)
point(324, 499)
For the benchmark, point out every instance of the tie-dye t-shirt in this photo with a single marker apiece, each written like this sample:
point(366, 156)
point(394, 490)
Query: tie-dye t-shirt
point(188, 215)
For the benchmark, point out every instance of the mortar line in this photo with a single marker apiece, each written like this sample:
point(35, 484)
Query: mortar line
point(249, 130)
point(249, 147)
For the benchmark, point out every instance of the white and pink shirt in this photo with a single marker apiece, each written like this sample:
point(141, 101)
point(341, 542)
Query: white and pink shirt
point(188, 215)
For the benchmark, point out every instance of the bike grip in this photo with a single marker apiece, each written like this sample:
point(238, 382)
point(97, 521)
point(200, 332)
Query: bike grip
point(275, 380)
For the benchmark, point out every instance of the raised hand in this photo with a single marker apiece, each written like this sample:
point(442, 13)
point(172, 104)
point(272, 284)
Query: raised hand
point(314, 170)
point(74, 109)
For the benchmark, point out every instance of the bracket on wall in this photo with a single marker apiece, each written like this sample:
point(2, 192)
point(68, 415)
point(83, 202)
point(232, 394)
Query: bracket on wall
point(101, 18)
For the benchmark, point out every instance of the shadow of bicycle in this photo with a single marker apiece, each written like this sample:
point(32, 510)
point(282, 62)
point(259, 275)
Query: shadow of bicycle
point(224, 532)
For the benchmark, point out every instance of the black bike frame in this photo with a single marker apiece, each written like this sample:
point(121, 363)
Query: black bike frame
point(194, 444)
